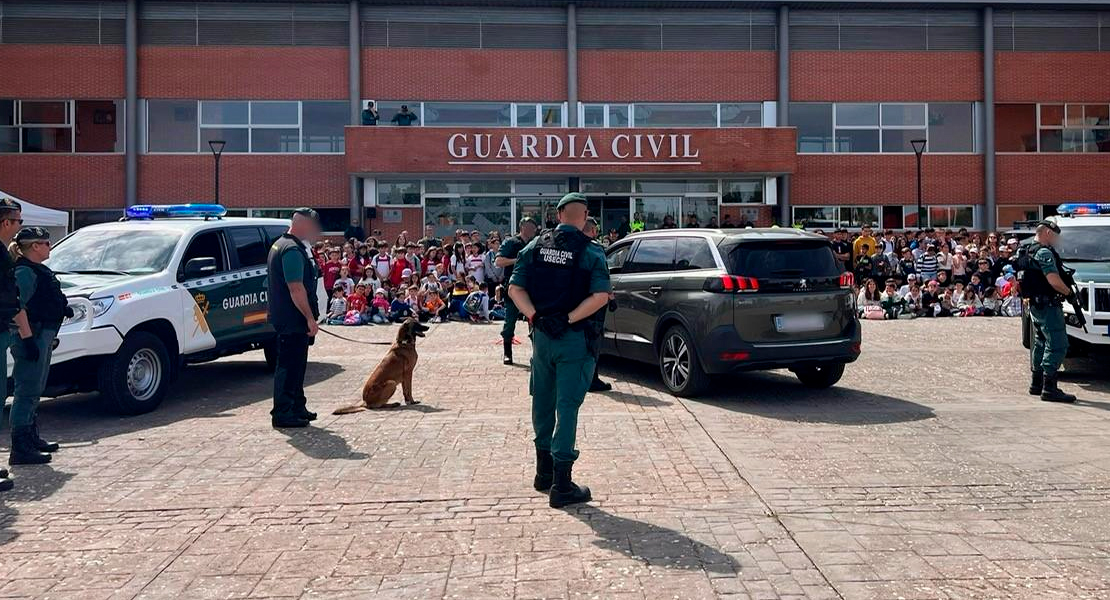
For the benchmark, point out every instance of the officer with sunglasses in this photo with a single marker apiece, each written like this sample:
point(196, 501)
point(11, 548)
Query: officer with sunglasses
point(13, 319)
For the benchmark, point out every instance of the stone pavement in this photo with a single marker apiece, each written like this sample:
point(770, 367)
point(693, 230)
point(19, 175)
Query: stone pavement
point(926, 474)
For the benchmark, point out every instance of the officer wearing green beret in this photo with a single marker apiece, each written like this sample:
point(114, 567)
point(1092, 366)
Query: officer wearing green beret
point(293, 309)
point(506, 259)
point(1042, 282)
point(41, 298)
point(561, 284)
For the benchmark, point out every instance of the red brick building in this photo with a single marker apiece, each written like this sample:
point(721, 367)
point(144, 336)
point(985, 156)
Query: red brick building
point(795, 112)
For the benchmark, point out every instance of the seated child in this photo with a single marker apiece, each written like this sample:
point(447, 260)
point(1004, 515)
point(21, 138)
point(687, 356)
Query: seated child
point(337, 306)
point(477, 305)
point(379, 307)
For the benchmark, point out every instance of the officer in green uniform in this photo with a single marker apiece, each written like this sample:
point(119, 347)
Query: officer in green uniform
point(293, 311)
point(561, 285)
point(591, 231)
point(13, 319)
point(1042, 283)
point(42, 300)
point(506, 258)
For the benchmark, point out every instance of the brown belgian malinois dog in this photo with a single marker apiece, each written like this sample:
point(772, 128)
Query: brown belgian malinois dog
point(395, 369)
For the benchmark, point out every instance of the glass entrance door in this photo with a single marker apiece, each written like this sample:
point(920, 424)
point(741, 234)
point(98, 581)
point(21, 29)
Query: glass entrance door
point(610, 212)
point(658, 212)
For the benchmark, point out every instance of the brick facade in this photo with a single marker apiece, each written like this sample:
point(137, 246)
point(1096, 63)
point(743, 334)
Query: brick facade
point(64, 181)
point(629, 76)
point(61, 71)
point(1052, 77)
point(246, 181)
point(242, 73)
point(459, 74)
point(823, 179)
point(885, 76)
point(1053, 178)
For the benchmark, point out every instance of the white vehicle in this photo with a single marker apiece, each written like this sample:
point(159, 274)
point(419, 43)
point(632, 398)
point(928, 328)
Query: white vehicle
point(165, 287)
point(1085, 246)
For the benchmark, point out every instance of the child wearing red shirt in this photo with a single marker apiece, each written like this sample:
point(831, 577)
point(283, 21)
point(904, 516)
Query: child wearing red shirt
point(331, 269)
point(400, 264)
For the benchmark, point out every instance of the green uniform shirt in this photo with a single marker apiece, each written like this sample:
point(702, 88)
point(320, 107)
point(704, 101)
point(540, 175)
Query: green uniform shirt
point(26, 281)
point(593, 260)
point(292, 267)
point(1045, 261)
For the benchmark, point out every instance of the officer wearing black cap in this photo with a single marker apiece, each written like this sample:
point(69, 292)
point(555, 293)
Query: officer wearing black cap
point(506, 258)
point(11, 311)
point(561, 284)
point(41, 297)
point(1041, 280)
point(293, 311)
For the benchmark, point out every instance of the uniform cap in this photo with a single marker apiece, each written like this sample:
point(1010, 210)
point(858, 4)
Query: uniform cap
point(570, 198)
point(1049, 224)
point(305, 211)
point(32, 234)
point(7, 203)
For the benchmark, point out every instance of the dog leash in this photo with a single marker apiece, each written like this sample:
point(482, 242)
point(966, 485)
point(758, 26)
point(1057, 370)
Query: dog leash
point(347, 339)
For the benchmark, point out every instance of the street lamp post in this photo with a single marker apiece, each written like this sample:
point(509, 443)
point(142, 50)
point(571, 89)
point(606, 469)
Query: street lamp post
point(217, 146)
point(919, 149)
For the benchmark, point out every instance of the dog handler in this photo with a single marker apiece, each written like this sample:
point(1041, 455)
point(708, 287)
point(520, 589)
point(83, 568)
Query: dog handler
point(506, 258)
point(41, 297)
point(561, 285)
point(293, 311)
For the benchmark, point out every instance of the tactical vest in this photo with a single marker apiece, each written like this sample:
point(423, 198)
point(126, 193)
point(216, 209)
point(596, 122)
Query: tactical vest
point(1032, 281)
point(47, 305)
point(283, 314)
point(557, 283)
point(509, 269)
point(9, 292)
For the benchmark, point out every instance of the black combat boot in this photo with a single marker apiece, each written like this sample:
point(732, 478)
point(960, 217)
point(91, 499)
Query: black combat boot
point(40, 444)
point(545, 470)
point(1052, 393)
point(597, 385)
point(1036, 384)
point(563, 490)
point(5, 483)
point(507, 359)
point(23, 448)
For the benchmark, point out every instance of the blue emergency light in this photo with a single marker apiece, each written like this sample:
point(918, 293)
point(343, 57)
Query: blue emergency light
point(180, 211)
point(1083, 209)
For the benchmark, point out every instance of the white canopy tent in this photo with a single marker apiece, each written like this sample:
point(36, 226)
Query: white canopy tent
point(55, 221)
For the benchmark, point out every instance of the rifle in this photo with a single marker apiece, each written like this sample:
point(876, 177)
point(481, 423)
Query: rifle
point(1073, 298)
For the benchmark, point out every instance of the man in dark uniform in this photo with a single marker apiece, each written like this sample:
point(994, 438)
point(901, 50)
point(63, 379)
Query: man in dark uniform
point(11, 220)
point(506, 258)
point(1042, 283)
point(597, 385)
point(293, 311)
point(561, 285)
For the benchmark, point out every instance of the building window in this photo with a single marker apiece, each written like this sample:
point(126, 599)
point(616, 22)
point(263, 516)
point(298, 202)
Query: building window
point(61, 126)
point(672, 114)
point(675, 115)
point(853, 127)
point(1074, 127)
point(539, 115)
point(749, 114)
point(467, 114)
point(264, 127)
point(322, 124)
point(332, 220)
point(826, 217)
point(171, 126)
point(484, 213)
point(742, 191)
point(1008, 216)
point(948, 217)
point(398, 193)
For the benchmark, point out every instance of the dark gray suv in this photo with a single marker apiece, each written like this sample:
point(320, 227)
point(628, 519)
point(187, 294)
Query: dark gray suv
point(699, 302)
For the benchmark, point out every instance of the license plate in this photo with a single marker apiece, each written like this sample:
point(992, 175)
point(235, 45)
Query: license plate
point(800, 322)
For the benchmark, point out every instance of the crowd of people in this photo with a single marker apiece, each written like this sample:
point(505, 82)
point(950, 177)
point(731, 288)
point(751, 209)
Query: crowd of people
point(930, 273)
point(377, 281)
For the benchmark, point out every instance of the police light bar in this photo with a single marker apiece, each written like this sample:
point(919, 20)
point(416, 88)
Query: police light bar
point(1084, 209)
point(163, 211)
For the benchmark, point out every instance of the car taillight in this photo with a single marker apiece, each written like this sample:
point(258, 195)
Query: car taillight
point(846, 280)
point(731, 284)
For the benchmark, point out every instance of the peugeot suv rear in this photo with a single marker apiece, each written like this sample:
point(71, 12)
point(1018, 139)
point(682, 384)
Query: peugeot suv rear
point(700, 302)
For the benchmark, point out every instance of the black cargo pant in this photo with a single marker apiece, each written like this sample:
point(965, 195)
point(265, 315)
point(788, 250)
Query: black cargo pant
point(292, 360)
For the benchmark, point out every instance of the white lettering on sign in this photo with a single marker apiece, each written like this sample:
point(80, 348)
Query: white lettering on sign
point(554, 256)
point(572, 149)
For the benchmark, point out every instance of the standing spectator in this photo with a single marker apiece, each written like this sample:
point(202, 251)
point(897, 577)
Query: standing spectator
point(907, 265)
point(400, 265)
point(354, 231)
point(430, 240)
point(863, 263)
point(371, 281)
point(404, 118)
point(842, 248)
point(412, 254)
point(887, 244)
point(458, 262)
point(864, 243)
point(495, 275)
point(382, 262)
point(944, 260)
point(474, 264)
point(345, 281)
point(332, 268)
point(926, 265)
point(369, 116)
point(959, 265)
point(360, 262)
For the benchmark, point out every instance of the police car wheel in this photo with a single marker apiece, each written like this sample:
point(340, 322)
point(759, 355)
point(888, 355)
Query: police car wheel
point(819, 376)
point(679, 364)
point(134, 380)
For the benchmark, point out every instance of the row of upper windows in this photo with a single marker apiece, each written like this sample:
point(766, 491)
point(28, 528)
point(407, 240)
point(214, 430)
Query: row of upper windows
point(186, 126)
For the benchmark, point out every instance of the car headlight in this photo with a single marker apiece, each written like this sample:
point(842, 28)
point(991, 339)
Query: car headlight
point(81, 309)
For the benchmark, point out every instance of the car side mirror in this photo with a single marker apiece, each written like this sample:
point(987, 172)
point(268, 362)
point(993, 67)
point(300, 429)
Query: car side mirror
point(200, 267)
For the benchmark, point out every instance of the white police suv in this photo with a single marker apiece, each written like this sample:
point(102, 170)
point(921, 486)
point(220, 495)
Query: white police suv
point(164, 287)
point(1084, 245)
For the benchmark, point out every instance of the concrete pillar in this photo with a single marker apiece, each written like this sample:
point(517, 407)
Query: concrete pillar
point(131, 103)
point(354, 91)
point(783, 107)
point(990, 216)
point(572, 66)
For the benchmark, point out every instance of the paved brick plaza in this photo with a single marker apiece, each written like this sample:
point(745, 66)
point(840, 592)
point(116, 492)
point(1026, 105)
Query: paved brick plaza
point(927, 474)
